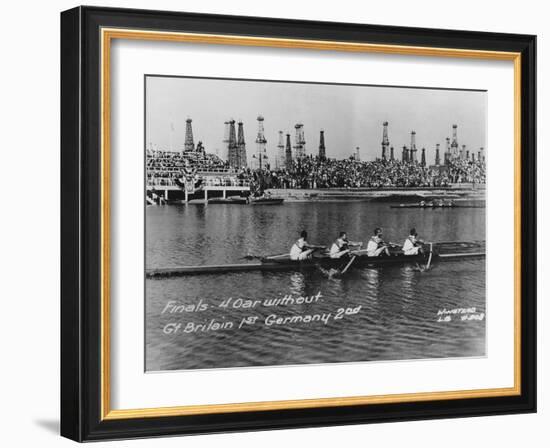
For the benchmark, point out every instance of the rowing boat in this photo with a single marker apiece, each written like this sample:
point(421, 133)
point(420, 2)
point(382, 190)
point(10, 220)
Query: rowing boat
point(426, 205)
point(231, 200)
point(430, 205)
point(444, 251)
point(266, 201)
point(243, 201)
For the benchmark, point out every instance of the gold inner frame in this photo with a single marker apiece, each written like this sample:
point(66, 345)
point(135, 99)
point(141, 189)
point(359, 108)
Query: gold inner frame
point(107, 35)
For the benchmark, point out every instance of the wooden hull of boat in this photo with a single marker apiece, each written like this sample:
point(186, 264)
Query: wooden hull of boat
point(238, 201)
point(266, 201)
point(435, 206)
point(421, 206)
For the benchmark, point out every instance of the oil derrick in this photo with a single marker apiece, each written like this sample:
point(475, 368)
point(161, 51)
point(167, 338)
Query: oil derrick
point(300, 143)
point(447, 157)
point(189, 142)
point(454, 144)
point(463, 152)
point(288, 153)
point(241, 147)
point(391, 154)
point(200, 148)
point(437, 157)
point(413, 149)
point(260, 158)
point(280, 160)
point(423, 158)
point(322, 149)
point(405, 155)
point(232, 152)
point(225, 142)
point(385, 140)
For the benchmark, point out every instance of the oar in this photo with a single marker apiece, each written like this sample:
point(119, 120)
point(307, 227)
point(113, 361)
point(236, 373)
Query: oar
point(259, 257)
point(348, 265)
point(430, 257)
point(273, 257)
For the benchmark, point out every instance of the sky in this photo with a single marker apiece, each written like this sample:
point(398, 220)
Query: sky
point(351, 116)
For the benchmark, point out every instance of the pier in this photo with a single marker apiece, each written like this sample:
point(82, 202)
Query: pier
point(163, 190)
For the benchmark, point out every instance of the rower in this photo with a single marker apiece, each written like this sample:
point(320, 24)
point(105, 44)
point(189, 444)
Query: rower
point(341, 246)
point(376, 245)
point(412, 245)
point(301, 250)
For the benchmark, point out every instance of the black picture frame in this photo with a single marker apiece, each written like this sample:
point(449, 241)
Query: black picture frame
point(81, 224)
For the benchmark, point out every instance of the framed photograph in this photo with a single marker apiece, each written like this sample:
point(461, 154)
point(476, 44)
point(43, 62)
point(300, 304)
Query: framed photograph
point(272, 223)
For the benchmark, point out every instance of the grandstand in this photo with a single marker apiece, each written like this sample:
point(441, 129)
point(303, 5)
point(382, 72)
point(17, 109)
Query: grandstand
point(189, 175)
point(164, 167)
point(194, 173)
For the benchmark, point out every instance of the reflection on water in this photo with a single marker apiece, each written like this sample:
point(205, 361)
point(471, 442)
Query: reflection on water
point(297, 284)
point(398, 317)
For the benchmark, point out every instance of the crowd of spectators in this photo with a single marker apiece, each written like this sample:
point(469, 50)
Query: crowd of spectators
point(164, 168)
point(466, 171)
point(313, 172)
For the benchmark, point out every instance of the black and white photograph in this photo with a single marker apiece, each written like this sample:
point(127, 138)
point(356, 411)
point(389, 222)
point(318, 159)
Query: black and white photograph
point(279, 221)
point(293, 223)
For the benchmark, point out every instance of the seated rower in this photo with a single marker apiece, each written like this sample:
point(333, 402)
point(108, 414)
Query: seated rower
point(341, 246)
point(376, 245)
point(301, 250)
point(412, 245)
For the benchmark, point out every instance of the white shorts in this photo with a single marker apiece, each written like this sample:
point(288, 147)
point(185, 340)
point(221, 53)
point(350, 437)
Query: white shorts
point(300, 256)
point(376, 252)
point(339, 254)
point(412, 251)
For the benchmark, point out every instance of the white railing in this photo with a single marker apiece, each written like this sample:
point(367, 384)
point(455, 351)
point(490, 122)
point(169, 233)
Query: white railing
point(225, 182)
point(206, 182)
point(161, 182)
point(214, 171)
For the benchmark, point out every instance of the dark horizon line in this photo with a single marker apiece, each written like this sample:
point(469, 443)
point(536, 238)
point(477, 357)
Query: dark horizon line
point(215, 78)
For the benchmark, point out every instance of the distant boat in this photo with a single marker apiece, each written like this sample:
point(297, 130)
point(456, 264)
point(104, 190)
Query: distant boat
point(436, 204)
point(230, 200)
point(263, 200)
point(266, 201)
point(422, 204)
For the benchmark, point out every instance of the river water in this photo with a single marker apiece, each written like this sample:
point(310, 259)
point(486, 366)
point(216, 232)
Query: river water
point(232, 320)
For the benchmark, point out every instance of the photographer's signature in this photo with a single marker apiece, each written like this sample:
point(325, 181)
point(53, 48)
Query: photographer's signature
point(459, 314)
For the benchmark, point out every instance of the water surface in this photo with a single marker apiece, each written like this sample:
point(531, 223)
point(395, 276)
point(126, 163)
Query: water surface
point(400, 307)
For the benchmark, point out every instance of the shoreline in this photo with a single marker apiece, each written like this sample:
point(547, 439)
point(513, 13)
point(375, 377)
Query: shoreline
point(456, 193)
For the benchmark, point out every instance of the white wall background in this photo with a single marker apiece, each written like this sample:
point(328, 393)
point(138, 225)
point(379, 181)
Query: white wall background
point(29, 227)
